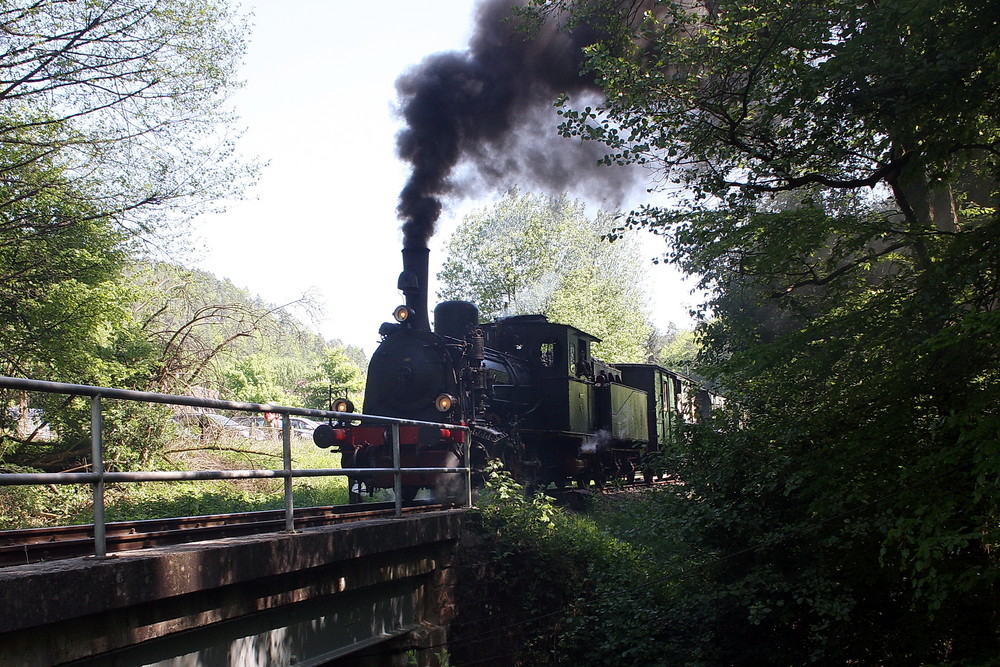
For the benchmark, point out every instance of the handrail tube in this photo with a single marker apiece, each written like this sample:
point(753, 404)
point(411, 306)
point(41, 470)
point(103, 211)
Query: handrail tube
point(26, 479)
point(397, 477)
point(286, 460)
point(467, 453)
point(191, 401)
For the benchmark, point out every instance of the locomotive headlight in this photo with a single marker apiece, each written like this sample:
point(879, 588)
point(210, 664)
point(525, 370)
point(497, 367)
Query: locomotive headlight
point(444, 402)
point(402, 313)
point(343, 405)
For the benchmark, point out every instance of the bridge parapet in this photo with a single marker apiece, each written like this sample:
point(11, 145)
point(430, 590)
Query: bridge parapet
point(303, 598)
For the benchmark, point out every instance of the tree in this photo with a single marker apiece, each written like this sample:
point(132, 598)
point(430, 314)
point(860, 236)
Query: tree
point(674, 349)
point(64, 315)
point(263, 378)
point(736, 101)
point(108, 119)
point(206, 331)
point(124, 97)
point(840, 167)
point(535, 254)
point(338, 375)
point(59, 290)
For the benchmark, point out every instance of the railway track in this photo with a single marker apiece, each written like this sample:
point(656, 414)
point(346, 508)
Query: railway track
point(575, 498)
point(32, 545)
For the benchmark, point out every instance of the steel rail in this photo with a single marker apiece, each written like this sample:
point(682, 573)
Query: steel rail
point(29, 545)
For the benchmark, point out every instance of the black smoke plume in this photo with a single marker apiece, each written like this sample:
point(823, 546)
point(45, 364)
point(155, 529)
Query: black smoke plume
point(491, 108)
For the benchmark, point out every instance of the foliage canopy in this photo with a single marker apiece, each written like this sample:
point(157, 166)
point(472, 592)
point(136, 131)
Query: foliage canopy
point(837, 171)
point(124, 98)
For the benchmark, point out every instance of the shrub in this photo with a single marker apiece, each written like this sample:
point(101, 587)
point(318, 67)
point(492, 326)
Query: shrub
point(568, 592)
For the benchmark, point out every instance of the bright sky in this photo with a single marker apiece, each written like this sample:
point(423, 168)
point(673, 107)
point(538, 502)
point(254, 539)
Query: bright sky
point(318, 108)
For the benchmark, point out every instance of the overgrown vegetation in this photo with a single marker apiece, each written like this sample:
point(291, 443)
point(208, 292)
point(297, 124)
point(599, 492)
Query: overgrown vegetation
point(113, 136)
point(547, 587)
point(184, 332)
point(836, 169)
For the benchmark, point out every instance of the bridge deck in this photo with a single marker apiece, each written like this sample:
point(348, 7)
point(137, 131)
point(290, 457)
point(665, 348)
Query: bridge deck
point(284, 598)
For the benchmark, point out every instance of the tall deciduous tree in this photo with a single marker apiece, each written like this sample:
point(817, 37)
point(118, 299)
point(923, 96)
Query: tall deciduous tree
point(125, 97)
point(107, 112)
point(536, 254)
point(204, 330)
point(838, 164)
point(112, 125)
point(736, 100)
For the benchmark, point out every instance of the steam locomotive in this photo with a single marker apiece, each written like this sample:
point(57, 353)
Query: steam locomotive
point(529, 389)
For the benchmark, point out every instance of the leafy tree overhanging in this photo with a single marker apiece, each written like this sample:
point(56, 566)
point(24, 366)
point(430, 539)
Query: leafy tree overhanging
point(836, 168)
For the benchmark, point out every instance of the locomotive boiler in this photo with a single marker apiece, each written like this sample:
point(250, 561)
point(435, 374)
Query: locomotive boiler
point(529, 390)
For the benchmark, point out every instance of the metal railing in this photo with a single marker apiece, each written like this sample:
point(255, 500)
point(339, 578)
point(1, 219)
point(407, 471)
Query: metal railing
point(98, 478)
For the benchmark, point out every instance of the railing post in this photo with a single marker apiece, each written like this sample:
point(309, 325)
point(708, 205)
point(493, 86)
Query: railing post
point(397, 476)
point(97, 462)
point(468, 468)
point(286, 457)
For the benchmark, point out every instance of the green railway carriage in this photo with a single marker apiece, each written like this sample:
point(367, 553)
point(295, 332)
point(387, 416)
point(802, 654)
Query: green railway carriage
point(664, 388)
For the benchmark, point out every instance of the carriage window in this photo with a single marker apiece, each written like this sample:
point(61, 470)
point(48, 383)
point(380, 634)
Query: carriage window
point(547, 353)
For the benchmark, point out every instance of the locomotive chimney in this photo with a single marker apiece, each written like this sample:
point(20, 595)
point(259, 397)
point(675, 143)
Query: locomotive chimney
point(413, 284)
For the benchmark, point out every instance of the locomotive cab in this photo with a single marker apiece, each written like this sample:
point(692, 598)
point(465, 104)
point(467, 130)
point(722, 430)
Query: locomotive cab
point(585, 422)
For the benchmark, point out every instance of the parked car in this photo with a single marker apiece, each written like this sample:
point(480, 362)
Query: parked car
point(258, 425)
point(301, 426)
point(210, 425)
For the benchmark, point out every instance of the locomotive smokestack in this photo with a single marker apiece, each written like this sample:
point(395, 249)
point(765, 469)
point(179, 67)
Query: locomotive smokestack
point(413, 284)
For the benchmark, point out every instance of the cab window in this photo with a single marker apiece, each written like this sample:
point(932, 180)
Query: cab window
point(547, 353)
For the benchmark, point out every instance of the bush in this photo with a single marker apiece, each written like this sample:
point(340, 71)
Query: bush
point(568, 592)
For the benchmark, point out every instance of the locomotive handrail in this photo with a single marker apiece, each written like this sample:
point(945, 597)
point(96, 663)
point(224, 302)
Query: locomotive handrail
point(98, 478)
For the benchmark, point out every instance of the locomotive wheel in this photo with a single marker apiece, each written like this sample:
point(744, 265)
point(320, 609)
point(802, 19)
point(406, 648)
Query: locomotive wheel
point(409, 492)
point(356, 486)
point(357, 490)
point(347, 460)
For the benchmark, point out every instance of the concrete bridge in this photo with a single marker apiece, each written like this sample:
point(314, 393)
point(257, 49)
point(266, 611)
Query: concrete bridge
point(361, 593)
